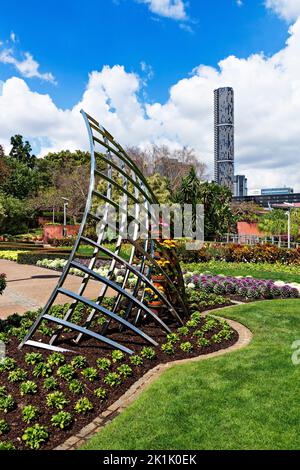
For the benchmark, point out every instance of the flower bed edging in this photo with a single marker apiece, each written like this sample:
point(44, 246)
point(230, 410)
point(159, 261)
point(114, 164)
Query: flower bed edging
point(86, 433)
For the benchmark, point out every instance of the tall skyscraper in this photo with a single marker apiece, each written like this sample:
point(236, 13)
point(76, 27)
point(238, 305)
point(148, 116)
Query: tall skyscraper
point(224, 137)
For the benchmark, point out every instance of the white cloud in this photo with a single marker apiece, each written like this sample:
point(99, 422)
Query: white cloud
point(13, 37)
point(287, 9)
point(175, 9)
point(28, 66)
point(239, 3)
point(267, 94)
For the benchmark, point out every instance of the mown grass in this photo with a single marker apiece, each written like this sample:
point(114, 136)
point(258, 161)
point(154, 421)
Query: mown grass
point(248, 399)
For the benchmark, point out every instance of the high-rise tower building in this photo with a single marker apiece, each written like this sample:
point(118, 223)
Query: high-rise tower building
point(224, 137)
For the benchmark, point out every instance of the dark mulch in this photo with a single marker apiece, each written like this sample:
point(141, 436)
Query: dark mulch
point(92, 349)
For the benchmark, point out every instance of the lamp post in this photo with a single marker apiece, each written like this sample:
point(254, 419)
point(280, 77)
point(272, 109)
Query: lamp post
point(289, 222)
point(66, 202)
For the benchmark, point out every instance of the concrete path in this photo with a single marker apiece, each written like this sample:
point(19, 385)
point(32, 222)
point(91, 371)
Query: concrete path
point(29, 287)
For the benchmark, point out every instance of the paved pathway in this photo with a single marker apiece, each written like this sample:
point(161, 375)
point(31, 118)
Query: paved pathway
point(29, 287)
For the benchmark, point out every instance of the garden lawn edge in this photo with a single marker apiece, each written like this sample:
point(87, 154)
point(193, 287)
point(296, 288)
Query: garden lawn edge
point(86, 433)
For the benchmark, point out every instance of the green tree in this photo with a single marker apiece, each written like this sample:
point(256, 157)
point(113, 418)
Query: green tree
point(21, 151)
point(14, 215)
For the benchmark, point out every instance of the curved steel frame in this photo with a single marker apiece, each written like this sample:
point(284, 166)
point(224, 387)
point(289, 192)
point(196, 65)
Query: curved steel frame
point(117, 162)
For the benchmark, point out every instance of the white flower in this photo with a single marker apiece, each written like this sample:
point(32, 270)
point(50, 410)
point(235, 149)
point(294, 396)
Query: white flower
point(191, 285)
point(279, 283)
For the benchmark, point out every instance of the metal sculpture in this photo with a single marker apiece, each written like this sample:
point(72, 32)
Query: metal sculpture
point(111, 164)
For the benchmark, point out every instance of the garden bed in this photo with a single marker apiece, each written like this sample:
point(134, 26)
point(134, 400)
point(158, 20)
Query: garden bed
point(199, 336)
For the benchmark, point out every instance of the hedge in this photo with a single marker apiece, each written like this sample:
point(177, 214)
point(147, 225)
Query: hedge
point(240, 253)
point(2, 282)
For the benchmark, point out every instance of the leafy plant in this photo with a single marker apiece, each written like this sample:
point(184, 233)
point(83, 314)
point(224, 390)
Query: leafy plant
point(90, 373)
point(192, 324)
point(33, 358)
point(217, 338)
point(103, 363)
point(124, 370)
point(17, 375)
point(148, 353)
point(56, 400)
point(35, 436)
point(4, 427)
point(83, 405)
point(183, 330)
point(78, 362)
point(66, 372)
point(117, 355)
point(42, 369)
point(136, 360)
point(196, 316)
point(8, 364)
point(100, 393)
point(76, 387)
point(62, 420)
point(28, 388)
point(173, 338)
point(186, 347)
point(7, 446)
point(168, 348)
point(30, 413)
point(112, 379)
point(7, 403)
point(56, 359)
point(203, 342)
point(50, 383)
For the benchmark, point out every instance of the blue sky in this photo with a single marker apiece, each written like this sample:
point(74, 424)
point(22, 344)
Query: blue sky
point(146, 69)
point(70, 38)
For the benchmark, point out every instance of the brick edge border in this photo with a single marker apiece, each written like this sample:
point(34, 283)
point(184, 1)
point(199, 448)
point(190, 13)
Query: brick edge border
point(86, 433)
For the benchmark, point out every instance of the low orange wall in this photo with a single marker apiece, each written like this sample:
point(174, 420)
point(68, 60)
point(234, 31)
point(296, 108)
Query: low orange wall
point(249, 228)
point(56, 231)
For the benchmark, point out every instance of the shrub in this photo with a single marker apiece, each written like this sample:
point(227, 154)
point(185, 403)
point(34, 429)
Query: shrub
point(4, 427)
point(42, 369)
point(183, 330)
point(28, 388)
point(66, 372)
point(56, 359)
point(8, 364)
point(172, 338)
point(50, 383)
point(76, 387)
point(56, 400)
point(136, 360)
point(117, 355)
point(90, 373)
point(2, 282)
point(124, 370)
point(148, 353)
point(103, 363)
point(35, 436)
point(78, 362)
point(203, 342)
point(112, 379)
point(7, 446)
point(17, 375)
point(83, 405)
point(186, 347)
point(30, 413)
point(62, 420)
point(7, 403)
point(100, 393)
point(33, 358)
point(168, 348)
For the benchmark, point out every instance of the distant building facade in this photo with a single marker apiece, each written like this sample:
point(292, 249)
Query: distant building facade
point(276, 191)
point(224, 137)
point(268, 200)
point(240, 186)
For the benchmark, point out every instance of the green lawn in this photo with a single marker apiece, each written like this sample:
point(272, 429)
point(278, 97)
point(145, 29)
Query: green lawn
point(287, 273)
point(248, 399)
